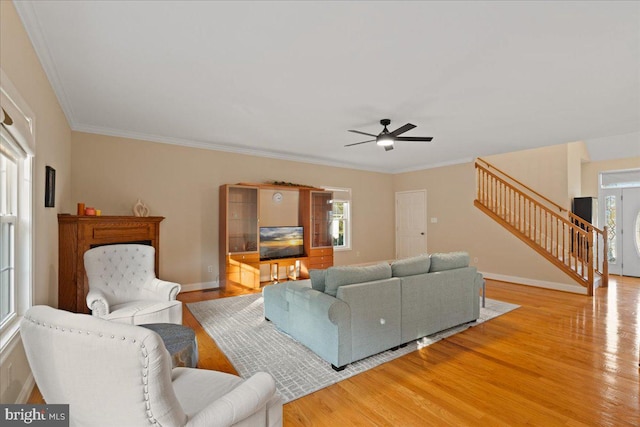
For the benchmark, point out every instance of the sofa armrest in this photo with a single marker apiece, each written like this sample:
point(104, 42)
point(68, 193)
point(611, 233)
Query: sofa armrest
point(321, 322)
point(375, 315)
point(162, 290)
point(480, 284)
point(97, 303)
point(318, 304)
point(240, 403)
point(478, 281)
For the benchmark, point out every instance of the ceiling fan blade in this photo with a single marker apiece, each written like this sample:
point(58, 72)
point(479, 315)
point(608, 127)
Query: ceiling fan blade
point(362, 133)
point(403, 129)
point(388, 147)
point(414, 138)
point(358, 143)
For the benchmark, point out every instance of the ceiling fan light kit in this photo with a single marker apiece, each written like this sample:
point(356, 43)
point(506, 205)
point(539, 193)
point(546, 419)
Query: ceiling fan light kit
point(386, 139)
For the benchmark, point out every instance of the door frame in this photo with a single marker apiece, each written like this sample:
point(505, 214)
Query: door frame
point(426, 216)
point(619, 193)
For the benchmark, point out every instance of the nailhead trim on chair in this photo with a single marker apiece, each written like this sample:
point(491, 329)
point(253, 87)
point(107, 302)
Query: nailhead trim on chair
point(143, 350)
point(119, 274)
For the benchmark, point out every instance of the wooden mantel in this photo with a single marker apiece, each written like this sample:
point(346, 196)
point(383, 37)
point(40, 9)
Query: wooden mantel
point(78, 234)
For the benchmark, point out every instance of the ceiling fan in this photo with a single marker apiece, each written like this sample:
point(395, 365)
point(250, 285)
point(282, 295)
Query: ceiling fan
point(386, 139)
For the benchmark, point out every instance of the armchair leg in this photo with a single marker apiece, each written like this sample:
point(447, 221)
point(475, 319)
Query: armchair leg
point(335, 368)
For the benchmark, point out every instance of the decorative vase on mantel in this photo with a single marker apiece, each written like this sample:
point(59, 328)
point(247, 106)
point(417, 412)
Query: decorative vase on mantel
point(140, 209)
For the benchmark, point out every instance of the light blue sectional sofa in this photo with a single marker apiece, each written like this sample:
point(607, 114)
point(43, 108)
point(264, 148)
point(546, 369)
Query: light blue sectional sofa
point(347, 313)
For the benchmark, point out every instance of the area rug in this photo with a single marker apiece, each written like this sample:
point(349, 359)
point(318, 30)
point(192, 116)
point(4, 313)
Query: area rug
point(253, 344)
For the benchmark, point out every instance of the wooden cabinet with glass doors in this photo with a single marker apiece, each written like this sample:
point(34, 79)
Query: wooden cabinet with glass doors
point(239, 253)
point(240, 232)
point(316, 210)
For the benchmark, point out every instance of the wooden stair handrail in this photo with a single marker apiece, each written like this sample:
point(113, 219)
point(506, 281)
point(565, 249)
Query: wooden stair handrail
point(535, 246)
point(551, 202)
point(585, 224)
point(568, 223)
point(504, 196)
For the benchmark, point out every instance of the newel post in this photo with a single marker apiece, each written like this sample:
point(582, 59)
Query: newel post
point(605, 257)
point(590, 260)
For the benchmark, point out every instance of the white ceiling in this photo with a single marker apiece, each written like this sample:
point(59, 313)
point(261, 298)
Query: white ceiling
point(288, 79)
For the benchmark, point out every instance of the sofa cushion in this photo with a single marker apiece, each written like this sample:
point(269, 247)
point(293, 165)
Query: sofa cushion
point(411, 266)
point(318, 279)
point(348, 275)
point(449, 261)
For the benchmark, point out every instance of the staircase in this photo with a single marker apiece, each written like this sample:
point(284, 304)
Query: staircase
point(570, 243)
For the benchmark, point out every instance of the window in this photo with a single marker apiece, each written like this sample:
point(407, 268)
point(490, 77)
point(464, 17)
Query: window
point(341, 218)
point(8, 220)
point(340, 224)
point(610, 221)
point(16, 237)
point(620, 179)
point(637, 239)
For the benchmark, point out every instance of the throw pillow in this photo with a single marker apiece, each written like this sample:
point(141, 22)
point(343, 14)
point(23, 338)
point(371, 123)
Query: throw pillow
point(318, 279)
point(411, 266)
point(346, 275)
point(449, 261)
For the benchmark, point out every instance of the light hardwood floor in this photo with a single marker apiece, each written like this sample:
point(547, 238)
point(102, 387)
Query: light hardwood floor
point(560, 359)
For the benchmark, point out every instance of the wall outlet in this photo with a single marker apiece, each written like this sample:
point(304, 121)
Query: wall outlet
point(210, 269)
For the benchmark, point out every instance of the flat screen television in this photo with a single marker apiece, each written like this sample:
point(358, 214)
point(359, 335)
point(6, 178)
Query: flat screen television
point(281, 242)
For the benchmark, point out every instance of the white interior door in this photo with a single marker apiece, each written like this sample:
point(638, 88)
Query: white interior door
point(631, 232)
point(411, 223)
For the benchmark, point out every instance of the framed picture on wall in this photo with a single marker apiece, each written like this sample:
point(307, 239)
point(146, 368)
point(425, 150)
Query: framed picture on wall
point(50, 187)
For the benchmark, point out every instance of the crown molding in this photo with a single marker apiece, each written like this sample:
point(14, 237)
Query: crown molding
point(254, 152)
point(32, 26)
point(220, 147)
point(435, 165)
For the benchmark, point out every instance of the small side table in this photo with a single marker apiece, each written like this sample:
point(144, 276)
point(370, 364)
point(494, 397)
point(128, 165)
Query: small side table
point(180, 341)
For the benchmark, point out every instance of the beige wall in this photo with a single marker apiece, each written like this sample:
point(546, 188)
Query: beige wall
point(591, 172)
point(181, 184)
point(577, 155)
point(542, 169)
point(277, 214)
point(461, 226)
point(19, 62)
point(559, 172)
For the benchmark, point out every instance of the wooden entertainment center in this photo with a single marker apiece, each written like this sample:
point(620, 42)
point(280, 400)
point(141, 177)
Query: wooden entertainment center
point(241, 208)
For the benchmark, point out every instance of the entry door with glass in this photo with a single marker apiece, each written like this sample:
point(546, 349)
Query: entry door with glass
point(620, 210)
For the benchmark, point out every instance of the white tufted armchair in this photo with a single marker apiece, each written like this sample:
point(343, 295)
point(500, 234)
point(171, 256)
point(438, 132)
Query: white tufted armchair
point(119, 375)
point(123, 286)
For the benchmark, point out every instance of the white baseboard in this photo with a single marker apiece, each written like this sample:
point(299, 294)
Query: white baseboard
point(27, 387)
point(576, 289)
point(200, 286)
point(29, 381)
